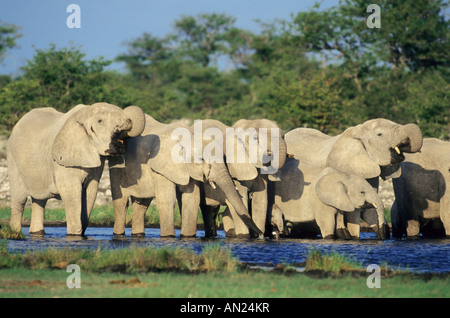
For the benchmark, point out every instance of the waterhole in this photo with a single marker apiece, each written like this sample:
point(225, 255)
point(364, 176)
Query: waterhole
point(416, 255)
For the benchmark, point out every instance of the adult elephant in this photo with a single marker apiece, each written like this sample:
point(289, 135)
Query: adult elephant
point(422, 192)
point(263, 138)
point(56, 155)
point(371, 150)
point(311, 198)
point(165, 159)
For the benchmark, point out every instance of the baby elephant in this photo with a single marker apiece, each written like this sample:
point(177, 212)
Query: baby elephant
point(310, 198)
point(56, 155)
point(422, 193)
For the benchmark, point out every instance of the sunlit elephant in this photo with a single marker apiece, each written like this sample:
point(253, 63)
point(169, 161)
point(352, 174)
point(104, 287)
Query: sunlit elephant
point(371, 150)
point(56, 155)
point(422, 192)
point(265, 140)
point(311, 198)
point(166, 162)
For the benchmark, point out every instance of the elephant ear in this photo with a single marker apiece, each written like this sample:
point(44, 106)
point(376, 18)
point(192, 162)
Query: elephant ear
point(161, 160)
point(333, 192)
point(72, 146)
point(241, 168)
point(349, 155)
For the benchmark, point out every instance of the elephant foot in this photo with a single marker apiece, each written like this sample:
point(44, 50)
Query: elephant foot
point(343, 234)
point(119, 234)
point(76, 237)
point(187, 236)
point(167, 235)
point(38, 233)
point(243, 236)
point(383, 232)
point(138, 235)
point(230, 233)
point(329, 237)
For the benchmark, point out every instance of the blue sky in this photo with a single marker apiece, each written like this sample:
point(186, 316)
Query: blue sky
point(107, 24)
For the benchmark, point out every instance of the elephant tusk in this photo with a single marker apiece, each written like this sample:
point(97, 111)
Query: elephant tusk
point(121, 141)
point(290, 156)
point(211, 183)
point(397, 150)
point(374, 205)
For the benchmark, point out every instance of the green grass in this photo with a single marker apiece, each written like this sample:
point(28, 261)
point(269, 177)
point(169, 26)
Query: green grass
point(129, 260)
point(7, 233)
point(52, 283)
point(330, 262)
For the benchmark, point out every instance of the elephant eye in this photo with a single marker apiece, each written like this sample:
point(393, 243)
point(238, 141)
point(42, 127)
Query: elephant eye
point(100, 121)
point(379, 134)
point(363, 192)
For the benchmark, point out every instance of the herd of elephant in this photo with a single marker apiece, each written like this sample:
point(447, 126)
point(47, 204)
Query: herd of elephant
point(319, 185)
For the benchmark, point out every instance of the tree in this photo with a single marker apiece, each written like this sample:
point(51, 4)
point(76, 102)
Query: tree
point(9, 33)
point(53, 78)
point(202, 38)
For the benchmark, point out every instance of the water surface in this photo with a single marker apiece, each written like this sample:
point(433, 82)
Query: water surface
point(417, 255)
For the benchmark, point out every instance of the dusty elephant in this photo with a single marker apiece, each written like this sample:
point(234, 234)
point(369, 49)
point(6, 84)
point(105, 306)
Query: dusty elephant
point(371, 150)
point(311, 198)
point(166, 163)
point(422, 192)
point(265, 139)
point(56, 155)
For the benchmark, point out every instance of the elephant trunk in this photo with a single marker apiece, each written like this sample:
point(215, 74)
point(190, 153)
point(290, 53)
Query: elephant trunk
point(410, 137)
point(282, 150)
point(381, 228)
point(281, 153)
point(137, 117)
point(223, 179)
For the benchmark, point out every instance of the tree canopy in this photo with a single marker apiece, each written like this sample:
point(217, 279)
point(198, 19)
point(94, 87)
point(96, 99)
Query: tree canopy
point(323, 69)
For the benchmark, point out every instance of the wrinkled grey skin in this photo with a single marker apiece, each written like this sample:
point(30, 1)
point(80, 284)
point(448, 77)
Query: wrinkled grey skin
point(313, 197)
point(371, 150)
point(213, 195)
point(254, 191)
point(422, 192)
point(150, 172)
point(56, 155)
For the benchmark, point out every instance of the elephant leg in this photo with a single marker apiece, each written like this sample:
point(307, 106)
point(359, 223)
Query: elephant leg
point(327, 225)
point(120, 214)
point(140, 206)
point(165, 203)
point(342, 232)
point(190, 202)
point(413, 228)
point(353, 221)
point(241, 229)
point(259, 206)
point(228, 223)
point(445, 213)
point(37, 217)
point(72, 197)
point(91, 195)
point(209, 219)
point(18, 201)
point(397, 227)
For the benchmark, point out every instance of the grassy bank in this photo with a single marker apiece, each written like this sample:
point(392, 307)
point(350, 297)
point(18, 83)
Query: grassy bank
point(100, 216)
point(176, 272)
